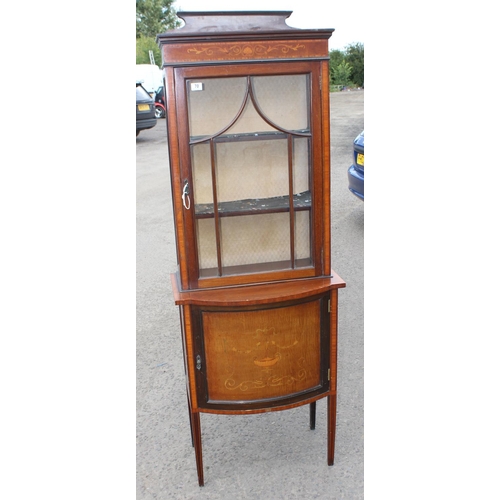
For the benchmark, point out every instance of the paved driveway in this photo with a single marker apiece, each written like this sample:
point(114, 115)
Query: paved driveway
point(270, 455)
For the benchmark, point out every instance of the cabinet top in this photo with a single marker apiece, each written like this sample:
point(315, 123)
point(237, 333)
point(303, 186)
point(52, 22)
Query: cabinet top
point(235, 21)
point(231, 22)
point(240, 36)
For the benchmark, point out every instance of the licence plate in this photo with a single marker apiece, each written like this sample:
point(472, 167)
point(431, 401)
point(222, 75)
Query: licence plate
point(361, 159)
point(143, 107)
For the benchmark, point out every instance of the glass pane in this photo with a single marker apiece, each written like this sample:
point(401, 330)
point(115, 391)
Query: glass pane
point(284, 99)
point(213, 103)
point(207, 246)
point(250, 122)
point(302, 238)
point(202, 174)
point(256, 239)
point(301, 165)
point(252, 169)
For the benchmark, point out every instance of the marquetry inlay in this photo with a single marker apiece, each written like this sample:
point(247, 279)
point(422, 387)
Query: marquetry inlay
point(227, 51)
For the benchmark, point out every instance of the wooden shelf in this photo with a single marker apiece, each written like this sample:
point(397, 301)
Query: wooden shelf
point(252, 136)
point(261, 294)
point(254, 206)
point(264, 267)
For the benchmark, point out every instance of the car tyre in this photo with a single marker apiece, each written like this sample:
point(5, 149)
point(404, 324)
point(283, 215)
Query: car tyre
point(159, 112)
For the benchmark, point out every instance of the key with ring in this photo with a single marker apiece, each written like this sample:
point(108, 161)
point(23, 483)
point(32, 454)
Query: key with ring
point(185, 195)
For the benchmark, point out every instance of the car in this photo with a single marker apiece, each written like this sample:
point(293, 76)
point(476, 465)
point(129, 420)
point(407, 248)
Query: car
point(160, 103)
point(144, 110)
point(356, 172)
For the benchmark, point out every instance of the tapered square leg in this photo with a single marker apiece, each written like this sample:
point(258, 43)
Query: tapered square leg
point(195, 419)
point(332, 419)
point(190, 421)
point(312, 415)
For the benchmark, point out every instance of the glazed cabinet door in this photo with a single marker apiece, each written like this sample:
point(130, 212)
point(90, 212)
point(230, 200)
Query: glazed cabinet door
point(251, 358)
point(251, 172)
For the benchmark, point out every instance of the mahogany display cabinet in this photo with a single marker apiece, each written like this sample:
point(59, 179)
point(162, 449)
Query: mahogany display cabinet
point(248, 128)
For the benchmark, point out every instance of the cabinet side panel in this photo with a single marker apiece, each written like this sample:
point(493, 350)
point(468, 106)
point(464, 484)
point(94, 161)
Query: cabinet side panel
point(325, 116)
point(263, 354)
point(174, 159)
point(189, 355)
point(333, 340)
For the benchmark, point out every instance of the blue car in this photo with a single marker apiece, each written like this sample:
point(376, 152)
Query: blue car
point(356, 172)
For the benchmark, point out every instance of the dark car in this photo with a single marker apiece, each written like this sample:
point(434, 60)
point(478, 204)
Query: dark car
point(356, 172)
point(160, 103)
point(145, 109)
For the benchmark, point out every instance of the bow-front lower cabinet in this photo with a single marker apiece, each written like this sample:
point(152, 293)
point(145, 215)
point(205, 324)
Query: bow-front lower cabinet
point(260, 348)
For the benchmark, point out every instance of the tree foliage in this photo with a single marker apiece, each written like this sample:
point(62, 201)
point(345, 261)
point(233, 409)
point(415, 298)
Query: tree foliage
point(347, 66)
point(142, 47)
point(355, 56)
point(154, 16)
point(336, 57)
point(342, 73)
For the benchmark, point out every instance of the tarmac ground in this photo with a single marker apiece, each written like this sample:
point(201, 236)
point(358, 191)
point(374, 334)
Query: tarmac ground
point(270, 455)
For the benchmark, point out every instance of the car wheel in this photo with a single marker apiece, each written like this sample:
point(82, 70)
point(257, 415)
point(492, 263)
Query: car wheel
point(159, 112)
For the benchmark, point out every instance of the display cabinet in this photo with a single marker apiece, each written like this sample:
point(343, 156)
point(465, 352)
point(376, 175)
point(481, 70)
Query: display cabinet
point(247, 102)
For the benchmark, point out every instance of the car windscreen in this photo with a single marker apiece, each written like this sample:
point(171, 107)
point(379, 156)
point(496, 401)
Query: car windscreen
point(141, 94)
